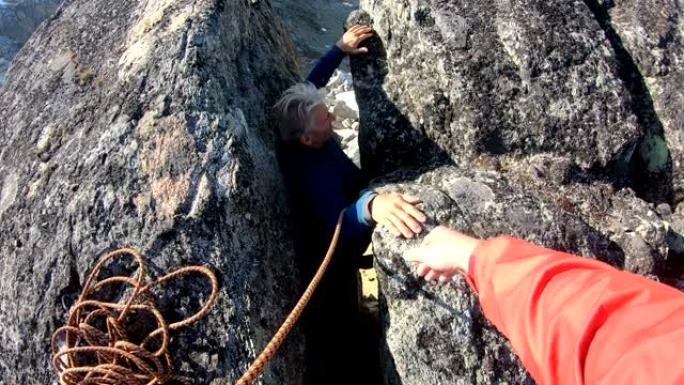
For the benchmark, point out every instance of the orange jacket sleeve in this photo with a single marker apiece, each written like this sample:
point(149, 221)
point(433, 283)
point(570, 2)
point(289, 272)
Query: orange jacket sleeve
point(575, 320)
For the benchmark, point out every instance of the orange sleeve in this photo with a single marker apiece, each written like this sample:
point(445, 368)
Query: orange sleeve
point(575, 320)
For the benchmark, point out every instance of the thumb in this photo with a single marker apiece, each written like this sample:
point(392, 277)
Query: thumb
point(361, 50)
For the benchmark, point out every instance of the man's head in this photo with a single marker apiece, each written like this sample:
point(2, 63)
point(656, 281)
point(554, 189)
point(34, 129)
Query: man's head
point(303, 117)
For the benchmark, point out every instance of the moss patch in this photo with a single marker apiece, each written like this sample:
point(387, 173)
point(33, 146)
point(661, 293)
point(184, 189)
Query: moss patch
point(655, 153)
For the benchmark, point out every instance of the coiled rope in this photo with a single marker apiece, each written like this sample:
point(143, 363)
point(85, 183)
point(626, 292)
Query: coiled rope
point(84, 353)
point(119, 361)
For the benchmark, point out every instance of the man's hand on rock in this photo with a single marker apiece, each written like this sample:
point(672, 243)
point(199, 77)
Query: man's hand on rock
point(349, 42)
point(398, 213)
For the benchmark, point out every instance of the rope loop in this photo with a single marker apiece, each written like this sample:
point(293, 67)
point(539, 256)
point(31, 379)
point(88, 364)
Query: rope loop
point(102, 341)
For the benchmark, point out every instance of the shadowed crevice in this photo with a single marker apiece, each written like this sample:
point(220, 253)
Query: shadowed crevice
point(651, 182)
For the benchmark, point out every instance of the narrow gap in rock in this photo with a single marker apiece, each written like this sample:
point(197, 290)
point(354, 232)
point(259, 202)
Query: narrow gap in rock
point(649, 168)
point(370, 319)
point(315, 26)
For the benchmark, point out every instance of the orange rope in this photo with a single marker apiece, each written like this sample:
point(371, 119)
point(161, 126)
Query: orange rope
point(269, 351)
point(95, 346)
point(120, 361)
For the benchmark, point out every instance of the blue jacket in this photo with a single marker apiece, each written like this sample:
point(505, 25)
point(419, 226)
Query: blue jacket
point(321, 182)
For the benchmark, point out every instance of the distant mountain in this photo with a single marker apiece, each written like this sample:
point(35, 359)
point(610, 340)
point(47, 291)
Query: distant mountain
point(18, 19)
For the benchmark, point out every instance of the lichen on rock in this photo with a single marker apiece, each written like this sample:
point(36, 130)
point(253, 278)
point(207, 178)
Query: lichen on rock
point(145, 124)
point(517, 117)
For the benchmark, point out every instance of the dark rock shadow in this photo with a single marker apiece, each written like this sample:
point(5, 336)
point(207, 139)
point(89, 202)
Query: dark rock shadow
point(674, 267)
point(390, 374)
point(406, 147)
point(655, 185)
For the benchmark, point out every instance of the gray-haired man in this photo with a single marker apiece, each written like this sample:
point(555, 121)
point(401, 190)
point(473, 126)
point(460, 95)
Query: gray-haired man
point(322, 181)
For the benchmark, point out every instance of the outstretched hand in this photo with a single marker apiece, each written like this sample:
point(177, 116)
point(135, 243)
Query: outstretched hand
point(349, 42)
point(442, 254)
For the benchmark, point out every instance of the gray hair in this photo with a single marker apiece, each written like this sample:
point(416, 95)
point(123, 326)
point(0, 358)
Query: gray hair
point(293, 110)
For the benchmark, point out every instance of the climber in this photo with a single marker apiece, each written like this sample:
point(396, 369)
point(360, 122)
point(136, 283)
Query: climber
point(571, 320)
point(321, 181)
point(305, 127)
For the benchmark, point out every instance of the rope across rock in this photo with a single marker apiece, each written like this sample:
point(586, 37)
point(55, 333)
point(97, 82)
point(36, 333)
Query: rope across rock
point(95, 346)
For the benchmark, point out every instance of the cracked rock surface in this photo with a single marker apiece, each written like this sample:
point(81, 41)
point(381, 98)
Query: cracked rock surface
point(651, 32)
point(496, 77)
point(522, 117)
point(436, 334)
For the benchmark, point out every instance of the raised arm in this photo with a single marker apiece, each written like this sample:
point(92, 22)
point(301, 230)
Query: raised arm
point(347, 45)
point(571, 320)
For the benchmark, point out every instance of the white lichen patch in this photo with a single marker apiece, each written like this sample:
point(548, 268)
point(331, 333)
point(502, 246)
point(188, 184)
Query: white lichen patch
point(146, 123)
point(152, 16)
point(202, 198)
point(8, 191)
point(43, 143)
point(149, 31)
point(142, 203)
point(39, 182)
point(108, 140)
point(471, 195)
point(178, 21)
point(135, 56)
point(510, 35)
point(60, 61)
point(653, 85)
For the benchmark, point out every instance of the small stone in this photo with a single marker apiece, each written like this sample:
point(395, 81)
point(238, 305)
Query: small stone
point(345, 106)
point(345, 133)
point(663, 209)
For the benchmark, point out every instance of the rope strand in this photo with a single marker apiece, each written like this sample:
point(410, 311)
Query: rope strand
point(269, 351)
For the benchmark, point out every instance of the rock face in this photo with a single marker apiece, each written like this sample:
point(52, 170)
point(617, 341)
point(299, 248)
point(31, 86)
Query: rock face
point(437, 335)
point(517, 117)
point(18, 19)
point(653, 57)
point(143, 124)
point(511, 77)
